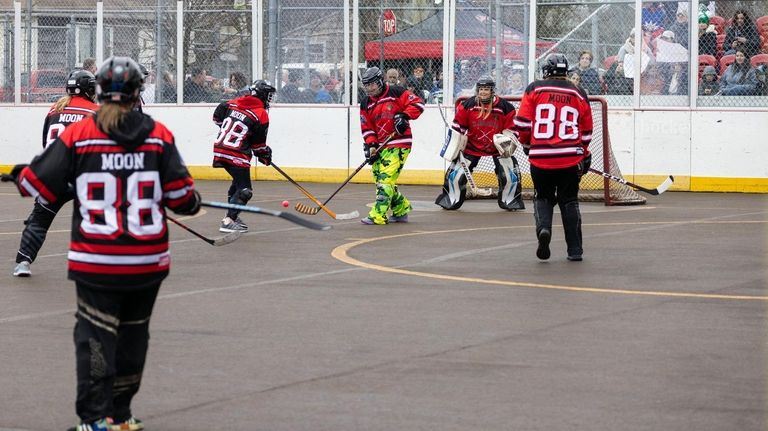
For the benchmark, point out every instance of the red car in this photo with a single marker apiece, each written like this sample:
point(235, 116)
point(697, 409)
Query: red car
point(44, 86)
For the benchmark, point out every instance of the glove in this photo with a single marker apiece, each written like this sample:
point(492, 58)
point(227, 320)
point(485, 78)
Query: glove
point(14, 175)
point(401, 123)
point(371, 152)
point(263, 154)
point(526, 149)
point(192, 206)
point(585, 164)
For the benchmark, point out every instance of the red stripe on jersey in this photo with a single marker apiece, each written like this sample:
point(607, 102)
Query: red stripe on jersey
point(30, 177)
point(117, 269)
point(178, 184)
point(149, 148)
point(119, 249)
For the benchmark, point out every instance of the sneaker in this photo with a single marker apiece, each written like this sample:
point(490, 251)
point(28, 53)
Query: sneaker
point(131, 424)
point(369, 221)
point(22, 269)
point(100, 425)
point(575, 258)
point(543, 251)
point(399, 219)
point(228, 225)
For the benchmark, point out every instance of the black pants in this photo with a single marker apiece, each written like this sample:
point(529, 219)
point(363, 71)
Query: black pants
point(36, 229)
point(558, 187)
point(111, 339)
point(241, 180)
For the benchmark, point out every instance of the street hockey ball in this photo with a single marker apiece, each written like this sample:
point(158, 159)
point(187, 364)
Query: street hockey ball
point(285, 204)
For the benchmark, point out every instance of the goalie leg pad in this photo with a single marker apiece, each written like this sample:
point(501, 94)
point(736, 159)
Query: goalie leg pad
point(454, 188)
point(510, 189)
point(455, 143)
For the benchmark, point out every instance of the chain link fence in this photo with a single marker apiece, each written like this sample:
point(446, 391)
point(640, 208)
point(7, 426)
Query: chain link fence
point(303, 50)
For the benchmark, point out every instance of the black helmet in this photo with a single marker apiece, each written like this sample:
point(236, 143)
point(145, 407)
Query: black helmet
point(81, 83)
point(485, 82)
point(555, 65)
point(264, 90)
point(119, 80)
point(373, 75)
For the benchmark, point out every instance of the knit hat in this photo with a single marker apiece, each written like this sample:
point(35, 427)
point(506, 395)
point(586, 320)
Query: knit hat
point(703, 18)
point(709, 70)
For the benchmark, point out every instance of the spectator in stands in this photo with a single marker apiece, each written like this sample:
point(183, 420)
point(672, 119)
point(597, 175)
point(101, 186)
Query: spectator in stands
point(168, 93)
point(291, 93)
point(742, 34)
point(739, 78)
point(590, 79)
point(89, 64)
point(393, 77)
point(238, 86)
point(680, 26)
point(616, 82)
point(651, 82)
point(653, 15)
point(708, 85)
point(707, 36)
point(675, 78)
point(420, 81)
point(317, 88)
point(195, 87)
point(762, 80)
point(515, 84)
point(575, 79)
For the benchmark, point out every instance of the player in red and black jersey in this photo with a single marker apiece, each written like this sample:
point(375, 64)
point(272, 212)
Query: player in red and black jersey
point(126, 171)
point(77, 104)
point(483, 125)
point(243, 126)
point(555, 126)
point(385, 116)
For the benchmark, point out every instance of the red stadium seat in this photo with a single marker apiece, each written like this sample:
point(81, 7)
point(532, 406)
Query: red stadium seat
point(726, 61)
point(720, 41)
point(719, 24)
point(608, 62)
point(706, 60)
point(762, 26)
point(758, 59)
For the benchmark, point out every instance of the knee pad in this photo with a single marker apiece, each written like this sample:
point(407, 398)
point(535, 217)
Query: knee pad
point(242, 196)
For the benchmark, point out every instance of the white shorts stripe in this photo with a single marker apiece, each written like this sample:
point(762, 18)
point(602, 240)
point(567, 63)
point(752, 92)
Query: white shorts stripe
point(110, 259)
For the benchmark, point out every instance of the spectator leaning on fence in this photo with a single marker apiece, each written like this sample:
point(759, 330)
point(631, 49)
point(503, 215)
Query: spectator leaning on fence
point(739, 78)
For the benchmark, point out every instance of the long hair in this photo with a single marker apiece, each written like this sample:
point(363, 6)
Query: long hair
point(62, 103)
point(110, 115)
point(485, 108)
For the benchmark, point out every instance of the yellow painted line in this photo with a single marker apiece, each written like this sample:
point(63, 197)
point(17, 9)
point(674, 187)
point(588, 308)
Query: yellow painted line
point(341, 253)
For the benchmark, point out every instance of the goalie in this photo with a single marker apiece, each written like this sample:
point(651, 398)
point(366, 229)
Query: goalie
point(482, 127)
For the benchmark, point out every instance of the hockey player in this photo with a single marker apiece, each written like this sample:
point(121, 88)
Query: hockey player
point(243, 124)
point(77, 104)
point(555, 125)
point(125, 169)
point(481, 127)
point(385, 115)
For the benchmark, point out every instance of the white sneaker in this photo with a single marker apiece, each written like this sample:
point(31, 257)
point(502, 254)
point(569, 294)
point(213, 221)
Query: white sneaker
point(229, 225)
point(22, 269)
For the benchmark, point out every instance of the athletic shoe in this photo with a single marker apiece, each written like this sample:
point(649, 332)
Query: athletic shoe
point(228, 225)
point(575, 258)
point(100, 425)
point(369, 221)
point(399, 219)
point(131, 424)
point(543, 251)
point(22, 269)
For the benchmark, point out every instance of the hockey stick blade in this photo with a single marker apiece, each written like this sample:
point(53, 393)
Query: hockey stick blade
point(217, 242)
point(653, 192)
point(305, 192)
point(308, 210)
point(284, 215)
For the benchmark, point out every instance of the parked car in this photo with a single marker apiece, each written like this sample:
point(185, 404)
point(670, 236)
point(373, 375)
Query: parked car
point(43, 86)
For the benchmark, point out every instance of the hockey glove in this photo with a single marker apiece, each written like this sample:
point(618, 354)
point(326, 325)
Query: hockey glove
point(526, 149)
point(263, 154)
point(401, 123)
point(14, 175)
point(585, 164)
point(371, 152)
point(192, 206)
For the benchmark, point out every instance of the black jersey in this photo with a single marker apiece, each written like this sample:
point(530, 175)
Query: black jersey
point(123, 182)
point(77, 109)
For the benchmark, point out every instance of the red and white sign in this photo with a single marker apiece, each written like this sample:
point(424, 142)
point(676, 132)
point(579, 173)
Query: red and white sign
point(388, 22)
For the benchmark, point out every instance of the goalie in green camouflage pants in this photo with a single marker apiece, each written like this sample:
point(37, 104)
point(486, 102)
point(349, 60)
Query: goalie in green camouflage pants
point(386, 169)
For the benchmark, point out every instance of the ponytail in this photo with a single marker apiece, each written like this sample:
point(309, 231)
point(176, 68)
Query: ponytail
point(110, 115)
point(62, 103)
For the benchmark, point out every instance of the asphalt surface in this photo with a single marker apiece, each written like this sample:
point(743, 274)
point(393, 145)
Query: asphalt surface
point(448, 322)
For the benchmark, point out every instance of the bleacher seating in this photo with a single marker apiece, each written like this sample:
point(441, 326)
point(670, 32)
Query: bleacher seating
point(758, 59)
point(726, 61)
point(706, 60)
point(719, 23)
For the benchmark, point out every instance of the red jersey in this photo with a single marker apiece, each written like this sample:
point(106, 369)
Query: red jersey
point(555, 119)
point(123, 182)
point(377, 115)
point(473, 120)
point(78, 108)
point(243, 126)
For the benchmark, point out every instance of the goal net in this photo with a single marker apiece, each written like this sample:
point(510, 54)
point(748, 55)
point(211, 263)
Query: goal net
point(593, 187)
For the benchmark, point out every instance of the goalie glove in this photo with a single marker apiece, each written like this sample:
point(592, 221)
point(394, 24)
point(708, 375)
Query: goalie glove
point(401, 123)
point(371, 152)
point(263, 154)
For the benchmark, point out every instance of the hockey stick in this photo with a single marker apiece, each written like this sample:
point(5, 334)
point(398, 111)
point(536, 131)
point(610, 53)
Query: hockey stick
point(486, 191)
point(284, 215)
point(663, 187)
point(223, 240)
point(305, 209)
point(349, 178)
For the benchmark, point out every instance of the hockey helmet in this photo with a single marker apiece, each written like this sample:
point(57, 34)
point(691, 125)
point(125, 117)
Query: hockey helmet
point(485, 82)
point(119, 80)
point(555, 65)
point(81, 83)
point(373, 75)
point(263, 90)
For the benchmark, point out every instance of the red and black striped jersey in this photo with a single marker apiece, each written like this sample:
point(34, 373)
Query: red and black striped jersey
point(243, 126)
point(123, 182)
point(377, 115)
point(481, 122)
point(555, 119)
point(78, 108)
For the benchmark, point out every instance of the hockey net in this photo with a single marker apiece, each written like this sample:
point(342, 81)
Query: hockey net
point(593, 187)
